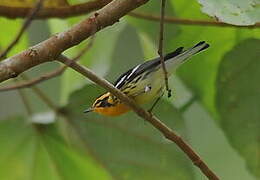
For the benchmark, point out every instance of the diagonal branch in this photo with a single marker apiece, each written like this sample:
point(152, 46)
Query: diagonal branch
point(175, 20)
point(51, 48)
point(154, 121)
point(58, 12)
point(87, 7)
point(26, 24)
point(49, 75)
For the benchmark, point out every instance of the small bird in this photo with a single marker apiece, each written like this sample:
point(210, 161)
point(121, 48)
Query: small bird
point(144, 82)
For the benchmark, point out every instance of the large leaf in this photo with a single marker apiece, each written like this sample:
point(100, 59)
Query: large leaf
point(238, 100)
point(38, 152)
point(127, 145)
point(239, 12)
point(200, 73)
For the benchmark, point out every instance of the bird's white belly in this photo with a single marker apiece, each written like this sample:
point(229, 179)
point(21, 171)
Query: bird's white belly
point(157, 86)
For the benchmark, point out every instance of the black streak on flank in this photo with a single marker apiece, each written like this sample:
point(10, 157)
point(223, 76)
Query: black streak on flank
point(137, 79)
point(126, 92)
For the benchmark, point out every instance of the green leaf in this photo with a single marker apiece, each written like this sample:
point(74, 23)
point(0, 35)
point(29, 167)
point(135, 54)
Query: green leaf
point(200, 72)
point(67, 160)
point(127, 145)
point(238, 100)
point(38, 152)
point(125, 55)
point(16, 149)
point(238, 12)
point(9, 33)
point(151, 28)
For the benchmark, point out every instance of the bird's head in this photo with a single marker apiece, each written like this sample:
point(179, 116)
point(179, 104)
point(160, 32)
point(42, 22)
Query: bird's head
point(108, 105)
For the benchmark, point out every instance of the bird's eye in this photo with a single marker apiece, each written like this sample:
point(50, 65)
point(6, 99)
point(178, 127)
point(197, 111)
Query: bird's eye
point(105, 104)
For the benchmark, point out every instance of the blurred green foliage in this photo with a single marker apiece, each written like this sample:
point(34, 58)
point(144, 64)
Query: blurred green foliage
point(239, 12)
point(127, 145)
point(221, 119)
point(238, 100)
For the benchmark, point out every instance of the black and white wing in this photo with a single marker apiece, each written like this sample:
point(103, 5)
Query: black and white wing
point(128, 80)
point(137, 72)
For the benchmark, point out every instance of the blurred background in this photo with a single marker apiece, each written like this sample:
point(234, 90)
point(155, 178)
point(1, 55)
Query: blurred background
point(215, 105)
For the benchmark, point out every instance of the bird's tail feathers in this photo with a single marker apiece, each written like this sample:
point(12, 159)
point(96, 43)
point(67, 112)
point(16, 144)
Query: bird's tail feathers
point(178, 57)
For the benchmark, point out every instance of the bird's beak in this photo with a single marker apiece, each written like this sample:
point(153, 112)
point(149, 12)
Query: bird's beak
point(88, 110)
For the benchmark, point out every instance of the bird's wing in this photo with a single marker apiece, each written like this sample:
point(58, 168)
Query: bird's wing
point(132, 74)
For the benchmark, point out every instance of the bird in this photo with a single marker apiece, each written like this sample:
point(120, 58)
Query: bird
point(143, 83)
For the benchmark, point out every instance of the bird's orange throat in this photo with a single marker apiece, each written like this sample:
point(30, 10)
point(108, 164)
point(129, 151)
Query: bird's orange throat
point(116, 110)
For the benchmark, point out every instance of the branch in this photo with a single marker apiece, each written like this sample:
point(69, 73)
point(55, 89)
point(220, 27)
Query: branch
point(160, 48)
point(26, 24)
point(155, 122)
point(32, 82)
point(51, 48)
point(58, 12)
point(183, 21)
point(87, 7)
point(47, 76)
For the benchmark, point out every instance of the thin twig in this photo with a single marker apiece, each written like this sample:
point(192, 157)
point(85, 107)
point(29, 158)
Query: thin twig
point(49, 75)
point(32, 82)
point(160, 48)
point(183, 21)
point(25, 25)
point(155, 122)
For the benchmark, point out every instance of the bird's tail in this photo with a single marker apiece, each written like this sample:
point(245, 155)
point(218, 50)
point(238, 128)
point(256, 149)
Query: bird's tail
point(179, 56)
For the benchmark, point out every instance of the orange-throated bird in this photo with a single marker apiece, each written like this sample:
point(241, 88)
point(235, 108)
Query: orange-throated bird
point(144, 82)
